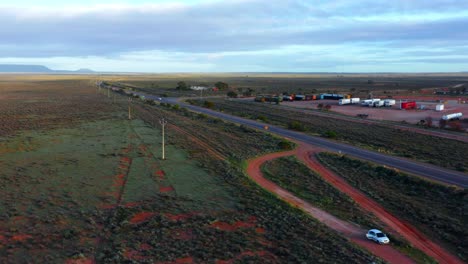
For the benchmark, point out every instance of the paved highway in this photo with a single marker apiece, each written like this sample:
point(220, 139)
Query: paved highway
point(417, 168)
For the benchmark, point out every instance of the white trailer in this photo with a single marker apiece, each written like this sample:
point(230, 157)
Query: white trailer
point(355, 100)
point(366, 102)
point(439, 107)
point(452, 116)
point(378, 103)
point(389, 102)
point(344, 101)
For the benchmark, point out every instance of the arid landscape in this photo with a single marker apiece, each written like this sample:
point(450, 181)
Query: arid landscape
point(83, 183)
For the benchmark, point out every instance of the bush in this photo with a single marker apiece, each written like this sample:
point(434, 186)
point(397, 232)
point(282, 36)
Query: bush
point(286, 145)
point(262, 118)
point(296, 125)
point(208, 104)
point(330, 134)
point(232, 94)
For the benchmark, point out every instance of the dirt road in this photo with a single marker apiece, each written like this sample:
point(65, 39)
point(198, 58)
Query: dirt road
point(306, 154)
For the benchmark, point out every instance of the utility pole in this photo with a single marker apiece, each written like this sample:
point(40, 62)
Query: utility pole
point(163, 123)
point(129, 109)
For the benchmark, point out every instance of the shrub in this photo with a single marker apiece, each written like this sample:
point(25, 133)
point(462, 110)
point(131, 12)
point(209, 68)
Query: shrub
point(296, 125)
point(262, 118)
point(208, 104)
point(285, 145)
point(330, 134)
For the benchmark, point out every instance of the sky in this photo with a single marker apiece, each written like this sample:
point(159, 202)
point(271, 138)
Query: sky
point(237, 35)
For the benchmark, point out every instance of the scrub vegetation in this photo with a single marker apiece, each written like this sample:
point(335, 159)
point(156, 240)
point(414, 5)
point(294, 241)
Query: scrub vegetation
point(81, 183)
point(437, 210)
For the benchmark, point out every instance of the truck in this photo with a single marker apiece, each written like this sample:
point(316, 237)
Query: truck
point(371, 102)
point(299, 97)
point(389, 102)
point(439, 107)
point(355, 100)
point(344, 101)
point(331, 96)
point(366, 102)
point(452, 116)
point(408, 105)
point(378, 103)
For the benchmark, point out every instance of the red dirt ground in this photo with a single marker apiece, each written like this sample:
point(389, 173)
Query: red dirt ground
point(21, 237)
point(356, 234)
point(80, 261)
point(186, 260)
point(245, 253)
point(165, 189)
point(141, 217)
point(178, 217)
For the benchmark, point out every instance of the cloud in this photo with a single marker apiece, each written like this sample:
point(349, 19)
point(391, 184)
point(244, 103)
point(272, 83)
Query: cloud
point(214, 32)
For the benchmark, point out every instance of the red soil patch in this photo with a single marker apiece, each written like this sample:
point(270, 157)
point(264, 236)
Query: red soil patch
point(80, 261)
point(145, 247)
point(260, 230)
point(165, 189)
point(243, 254)
point(133, 255)
point(231, 227)
point(108, 206)
point(143, 148)
point(186, 260)
point(160, 174)
point(119, 180)
point(21, 238)
point(131, 204)
point(177, 217)
point(19, 219)
point(141, 217)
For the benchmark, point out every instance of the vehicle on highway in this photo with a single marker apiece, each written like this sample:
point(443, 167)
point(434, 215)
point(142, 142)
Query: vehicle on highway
point(377, 236)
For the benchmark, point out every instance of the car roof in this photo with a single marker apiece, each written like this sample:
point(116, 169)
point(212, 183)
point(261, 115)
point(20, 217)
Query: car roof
point(375, 231)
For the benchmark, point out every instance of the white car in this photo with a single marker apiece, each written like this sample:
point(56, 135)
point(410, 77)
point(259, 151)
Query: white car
point(377, 236)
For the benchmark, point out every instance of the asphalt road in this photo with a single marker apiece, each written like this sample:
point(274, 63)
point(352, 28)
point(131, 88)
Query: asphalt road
point(428, 171)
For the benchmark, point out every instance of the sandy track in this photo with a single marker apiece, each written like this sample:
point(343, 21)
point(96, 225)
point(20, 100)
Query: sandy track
point(306, 154)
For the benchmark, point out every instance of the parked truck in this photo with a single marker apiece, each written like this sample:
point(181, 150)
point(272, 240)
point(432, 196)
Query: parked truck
point(452, 116)
point(355, 100)
point(366, 102)
point(344, 101)
point(378, 103)
point(389, 102)
point(408, 105)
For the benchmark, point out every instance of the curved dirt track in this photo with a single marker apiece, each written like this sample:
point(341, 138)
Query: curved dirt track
point(306, 153)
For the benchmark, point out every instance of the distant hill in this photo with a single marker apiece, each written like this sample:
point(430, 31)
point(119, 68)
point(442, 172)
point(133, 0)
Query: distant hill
point(20, 68)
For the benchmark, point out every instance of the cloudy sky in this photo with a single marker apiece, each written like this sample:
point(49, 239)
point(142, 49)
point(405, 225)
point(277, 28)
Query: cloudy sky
point(237, 35)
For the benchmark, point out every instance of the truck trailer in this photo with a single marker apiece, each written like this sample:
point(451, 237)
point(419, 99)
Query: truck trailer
point(344, 101)
point(408, 105)
point(389, 102)
point(452, 116)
